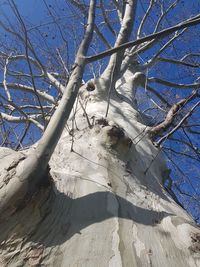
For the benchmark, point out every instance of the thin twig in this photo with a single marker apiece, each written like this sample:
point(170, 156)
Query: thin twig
point(85, 113)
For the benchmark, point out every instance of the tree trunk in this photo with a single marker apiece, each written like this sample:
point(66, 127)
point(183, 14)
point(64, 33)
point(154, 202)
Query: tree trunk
point(105, 204)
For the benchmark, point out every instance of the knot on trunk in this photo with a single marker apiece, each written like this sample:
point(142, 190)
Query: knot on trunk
point(195, 247)
point(90, 86)
point(86, 88)
point(113, 136)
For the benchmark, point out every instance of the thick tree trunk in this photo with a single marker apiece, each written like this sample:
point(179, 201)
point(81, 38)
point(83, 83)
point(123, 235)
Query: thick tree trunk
point(105, 204)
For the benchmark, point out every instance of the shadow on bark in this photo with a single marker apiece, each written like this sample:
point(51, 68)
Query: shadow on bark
point(60, 217)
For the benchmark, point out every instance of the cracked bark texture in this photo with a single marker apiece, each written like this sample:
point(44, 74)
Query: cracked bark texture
point(105, 204)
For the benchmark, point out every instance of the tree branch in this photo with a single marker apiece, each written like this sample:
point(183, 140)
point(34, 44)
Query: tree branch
point(165, 137)
point(178, 62)
point(163, 126)
point(174, 85)
point(188, 23)
point(14, 119)
point(30, 89)
point(140, 28)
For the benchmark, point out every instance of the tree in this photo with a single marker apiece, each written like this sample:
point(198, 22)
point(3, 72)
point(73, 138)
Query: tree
point(93, 189)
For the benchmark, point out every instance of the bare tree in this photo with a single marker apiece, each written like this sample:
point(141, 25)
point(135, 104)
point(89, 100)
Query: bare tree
point(106, 109)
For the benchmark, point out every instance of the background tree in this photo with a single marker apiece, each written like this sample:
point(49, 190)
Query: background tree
point(107, 89)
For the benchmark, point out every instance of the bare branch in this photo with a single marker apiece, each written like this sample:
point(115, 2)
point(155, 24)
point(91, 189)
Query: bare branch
point(140, 28)
point(113, 67)
point(153, 60)
point(181, 153)
point(188, 23)
point(106, 20)
point(27, 41)
point(22, 57)
point(188, 144)
point(63, 63)
point(55, 82)
point(5, 79)
point(190, 55)
point(159, 96)
point(163, 126)
point(174, 85)
point(21, 139)
point(84, 10)
point(165, 137)
point(164, 13)
point(14, 119)
point(178, 62)
point(30, 89)
point(119, 9)
point(25, 116)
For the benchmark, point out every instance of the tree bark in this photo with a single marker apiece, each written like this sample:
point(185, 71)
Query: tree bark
point(103, 203)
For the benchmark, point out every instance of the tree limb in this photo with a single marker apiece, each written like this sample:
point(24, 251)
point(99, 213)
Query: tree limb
point(188, 23)
point(30, 89)
point(165, 137)
point(163, 126)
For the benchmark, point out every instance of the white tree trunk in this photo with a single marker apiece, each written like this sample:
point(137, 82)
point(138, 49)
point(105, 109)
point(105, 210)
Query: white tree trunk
point(105, 204)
